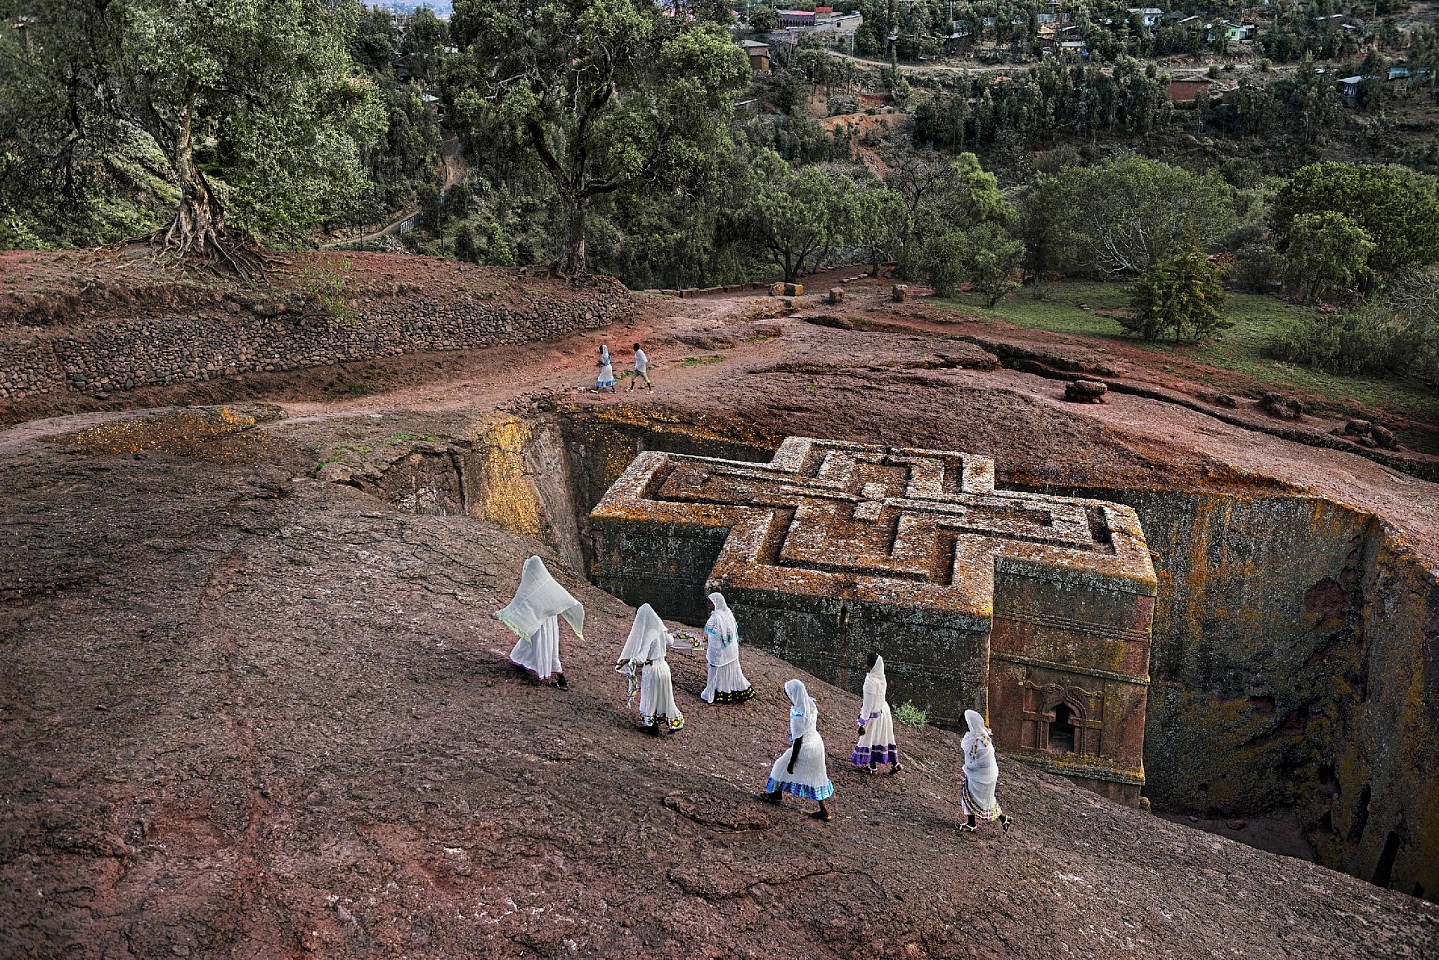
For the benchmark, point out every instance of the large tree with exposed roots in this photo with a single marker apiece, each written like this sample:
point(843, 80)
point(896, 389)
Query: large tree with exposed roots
point(255, 105)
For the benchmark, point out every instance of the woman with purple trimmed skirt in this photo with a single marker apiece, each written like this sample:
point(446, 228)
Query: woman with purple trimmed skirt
point(876, 727)
point(979, 776)
point(801, 770)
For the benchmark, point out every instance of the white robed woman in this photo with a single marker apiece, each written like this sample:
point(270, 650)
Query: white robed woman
point(726, 682)
point(534, 614)
point(801, 770)
point(876, 727)
point(643, 661)
point(979, 776)
point(606, 378)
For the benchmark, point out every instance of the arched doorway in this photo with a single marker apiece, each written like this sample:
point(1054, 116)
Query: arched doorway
point(1061, 729)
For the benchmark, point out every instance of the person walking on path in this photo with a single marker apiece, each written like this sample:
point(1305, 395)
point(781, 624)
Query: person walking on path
point(643, 661)
point(606, 379)
point(800, 770)
point(876, 727)
point(534, 614)
point(978, 777)
point(642, 366)
point(726, 682)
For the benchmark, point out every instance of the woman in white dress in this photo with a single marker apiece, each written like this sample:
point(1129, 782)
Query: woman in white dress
point(643, 661)
point(978, 777)
point(726, 682)
point(876, 727)
point(534, 614)
point(606, 379)
point(801, 770)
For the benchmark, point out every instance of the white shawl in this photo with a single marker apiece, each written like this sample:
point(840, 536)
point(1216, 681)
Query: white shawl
point(721, 627)
point(539, 598)
point(648, 639)
point(804, 715)
point(981, 770)
point(876, 688)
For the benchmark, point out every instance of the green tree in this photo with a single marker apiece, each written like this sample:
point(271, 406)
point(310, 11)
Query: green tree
point(1179, 295)
point(272, 82)
point(763, 19)
point(1127, 214)
point(604, 96)
point(1327, 253)
point(879, 223)
point(1397, 207)
point(432, 211)
point(422, 43)
point(991, 260)
point(795, 216)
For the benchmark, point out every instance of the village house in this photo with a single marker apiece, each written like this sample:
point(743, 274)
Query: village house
point(758, 54)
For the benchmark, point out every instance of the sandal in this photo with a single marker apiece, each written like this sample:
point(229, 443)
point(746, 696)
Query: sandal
point(767, 797)
point(1005, 821)
point(873, 771)
point(822, 815)
point(894, 769)
point(967, 828)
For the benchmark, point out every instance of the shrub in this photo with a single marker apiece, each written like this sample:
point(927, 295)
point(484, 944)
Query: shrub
point(910, 715)
point(1180, 296)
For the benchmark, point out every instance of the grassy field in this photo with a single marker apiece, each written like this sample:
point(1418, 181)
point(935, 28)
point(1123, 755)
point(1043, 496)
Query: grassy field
point(1256, 320)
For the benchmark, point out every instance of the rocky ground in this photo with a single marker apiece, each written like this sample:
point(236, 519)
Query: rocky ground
point(248, 713)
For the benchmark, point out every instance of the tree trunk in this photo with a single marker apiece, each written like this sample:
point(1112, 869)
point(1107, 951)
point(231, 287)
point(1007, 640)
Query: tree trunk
point(571, 261)
point(198, 226)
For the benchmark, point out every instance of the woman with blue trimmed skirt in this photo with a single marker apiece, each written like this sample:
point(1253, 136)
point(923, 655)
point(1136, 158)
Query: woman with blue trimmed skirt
point(801, 770)
point(606, 379)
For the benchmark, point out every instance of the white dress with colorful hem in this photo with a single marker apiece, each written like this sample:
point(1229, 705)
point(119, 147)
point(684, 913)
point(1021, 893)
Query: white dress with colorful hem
point(810, 780)
point(876, 745)
point(726, 682)
point(980, 773)
point(644, 652)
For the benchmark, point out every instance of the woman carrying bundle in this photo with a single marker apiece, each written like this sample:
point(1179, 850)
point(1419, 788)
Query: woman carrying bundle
point(643, 661)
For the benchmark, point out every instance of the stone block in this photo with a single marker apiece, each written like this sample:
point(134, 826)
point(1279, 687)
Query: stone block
point(1086, 391)
point(899, 293)
point(836, 295)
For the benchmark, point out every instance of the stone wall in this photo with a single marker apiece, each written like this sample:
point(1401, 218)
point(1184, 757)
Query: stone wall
point(1294, 666)
point(169, 339)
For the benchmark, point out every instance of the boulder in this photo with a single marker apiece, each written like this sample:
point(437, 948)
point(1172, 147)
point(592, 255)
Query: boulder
point(1278, 405)
point(776, 289)
point(899, 293)
point(1086, 391)
point(836, 295)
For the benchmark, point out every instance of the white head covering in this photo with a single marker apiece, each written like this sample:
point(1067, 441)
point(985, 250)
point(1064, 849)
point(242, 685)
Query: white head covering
point(877, 671)
point(805, 715)
point(647, 640)
point(980, 766)
point(604, 353)
point(723, 620)
point(539, 598)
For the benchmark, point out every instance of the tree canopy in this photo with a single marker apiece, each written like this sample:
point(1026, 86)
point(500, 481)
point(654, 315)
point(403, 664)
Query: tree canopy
point(255, 108)
point(1395, 206)
point(603, 96)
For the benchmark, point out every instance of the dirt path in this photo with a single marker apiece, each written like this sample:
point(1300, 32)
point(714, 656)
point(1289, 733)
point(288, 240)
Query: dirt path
point(456, 169)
